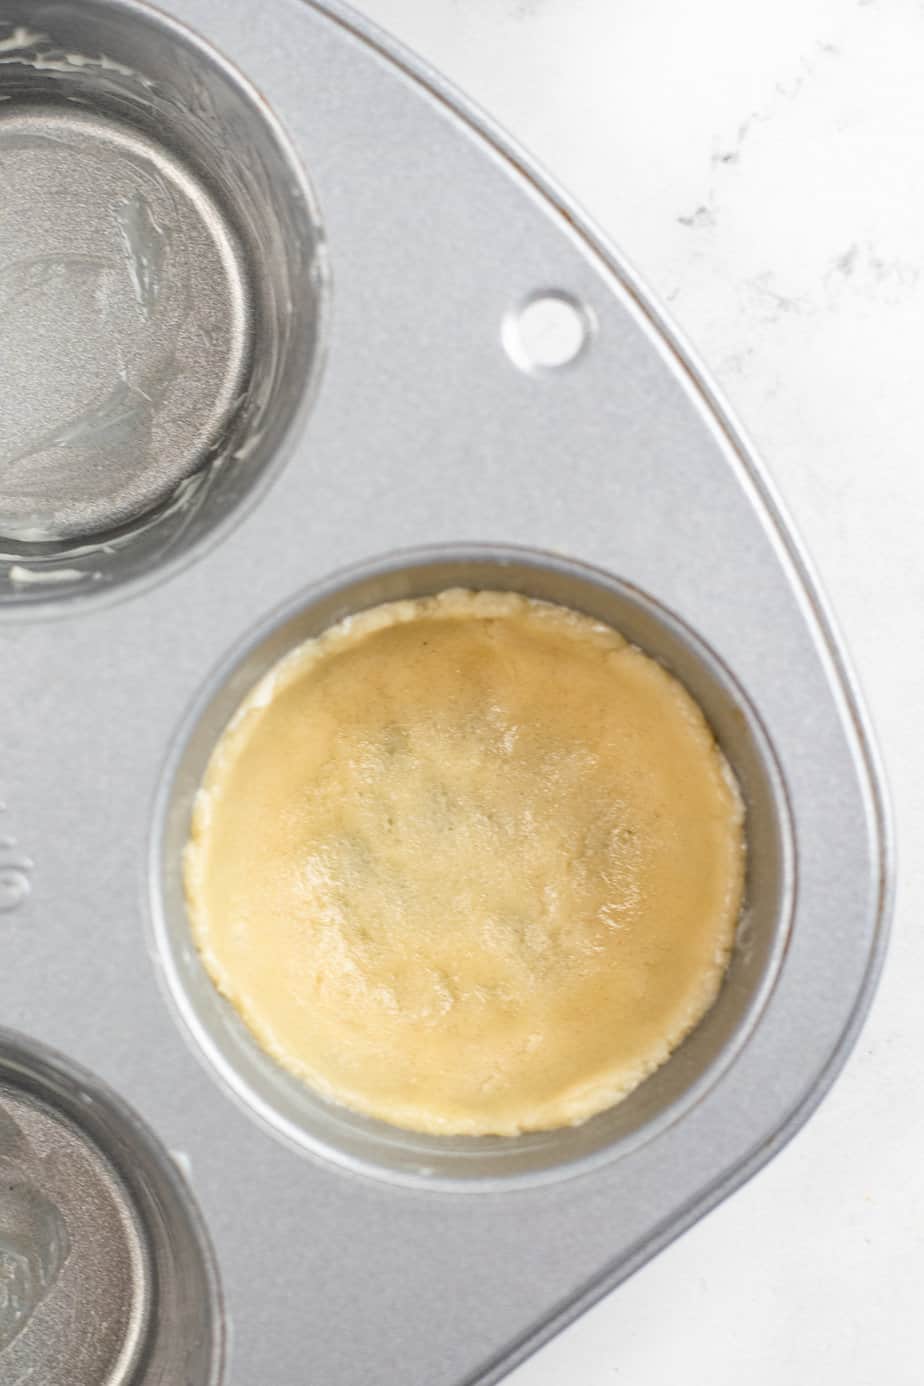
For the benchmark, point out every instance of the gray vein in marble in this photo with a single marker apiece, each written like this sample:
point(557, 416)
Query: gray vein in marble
point(858, 273)
point(705, 215)
point(863, 271)
point(776, 303)
point(516, 9)
point(702, 217)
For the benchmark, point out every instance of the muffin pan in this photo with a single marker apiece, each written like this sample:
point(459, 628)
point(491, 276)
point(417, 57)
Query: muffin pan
point(196, 219)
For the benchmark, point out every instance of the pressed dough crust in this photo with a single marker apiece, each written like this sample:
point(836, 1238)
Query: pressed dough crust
point(469, 863)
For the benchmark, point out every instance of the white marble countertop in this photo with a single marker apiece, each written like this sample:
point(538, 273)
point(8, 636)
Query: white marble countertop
point(762, 167)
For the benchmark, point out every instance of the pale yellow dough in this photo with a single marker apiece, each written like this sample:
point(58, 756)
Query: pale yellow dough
point(469, 864)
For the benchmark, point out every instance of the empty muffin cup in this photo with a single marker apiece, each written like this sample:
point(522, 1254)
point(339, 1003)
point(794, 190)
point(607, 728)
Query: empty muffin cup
point(162, 294)
point(304, 1117)
point(106, 1272)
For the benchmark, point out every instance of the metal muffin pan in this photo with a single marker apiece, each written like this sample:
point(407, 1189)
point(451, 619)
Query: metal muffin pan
point(604, 474)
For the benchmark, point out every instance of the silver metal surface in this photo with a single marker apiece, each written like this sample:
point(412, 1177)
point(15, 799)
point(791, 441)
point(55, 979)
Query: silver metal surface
point(426, 431)
point(105, 1274)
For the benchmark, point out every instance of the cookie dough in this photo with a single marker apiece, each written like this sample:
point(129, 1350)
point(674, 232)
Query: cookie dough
point(469, 864)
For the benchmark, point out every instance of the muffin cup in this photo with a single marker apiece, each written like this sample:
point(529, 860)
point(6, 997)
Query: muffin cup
point(319, 1127)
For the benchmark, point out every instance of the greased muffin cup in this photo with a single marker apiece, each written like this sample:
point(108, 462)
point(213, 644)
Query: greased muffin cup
point(163, 283)
point(107, 1270)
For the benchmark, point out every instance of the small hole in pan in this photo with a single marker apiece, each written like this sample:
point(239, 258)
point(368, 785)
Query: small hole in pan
point(548, 332)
